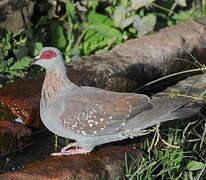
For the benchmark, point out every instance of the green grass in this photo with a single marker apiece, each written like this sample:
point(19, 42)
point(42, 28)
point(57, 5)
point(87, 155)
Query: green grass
point(185, 159)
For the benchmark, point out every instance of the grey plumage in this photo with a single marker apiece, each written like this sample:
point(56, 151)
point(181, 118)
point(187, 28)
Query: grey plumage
point(93, 116)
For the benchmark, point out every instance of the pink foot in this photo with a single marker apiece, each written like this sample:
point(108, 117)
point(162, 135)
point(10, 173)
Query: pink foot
point(75, 144)
point(70, 152)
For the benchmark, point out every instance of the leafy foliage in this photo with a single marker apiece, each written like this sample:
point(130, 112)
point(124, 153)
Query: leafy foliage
point(14, 52)
point(81, 28)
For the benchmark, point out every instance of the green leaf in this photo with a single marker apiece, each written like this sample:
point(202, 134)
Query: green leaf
point(70, 10)
point(6, 43)
point(21, 52)
point(93, 41)
point(10, 61)
point(126, 22)
point(3, 66)
point(99, 36)
point(107, 31)
point(95, 18)
point(91, 36)
point(36, 48)
point(145, 25)
point(21, 64)
point(57, 35)
point(182, 3)
point(119, 15)
point(137, 4)
point(194, 165)
point(15, 73)
point(92, 4)
point(186, 15)
point(124, 2)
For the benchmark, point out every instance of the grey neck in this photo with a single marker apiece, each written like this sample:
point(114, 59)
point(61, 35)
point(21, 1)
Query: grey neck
point(56, 82)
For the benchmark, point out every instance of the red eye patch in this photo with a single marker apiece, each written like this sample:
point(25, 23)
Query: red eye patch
point(48, 54)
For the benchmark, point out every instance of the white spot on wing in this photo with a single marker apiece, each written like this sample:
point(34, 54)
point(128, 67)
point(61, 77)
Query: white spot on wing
point(123, 124)
point(90, 121)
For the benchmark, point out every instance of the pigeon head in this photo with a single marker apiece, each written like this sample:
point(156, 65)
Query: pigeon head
point(49, 58)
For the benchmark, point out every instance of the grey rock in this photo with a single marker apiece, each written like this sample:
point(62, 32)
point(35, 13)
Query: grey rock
point(15, 14)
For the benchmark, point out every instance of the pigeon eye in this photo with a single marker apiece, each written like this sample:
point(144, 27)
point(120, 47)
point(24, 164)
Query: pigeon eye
point(48, 54)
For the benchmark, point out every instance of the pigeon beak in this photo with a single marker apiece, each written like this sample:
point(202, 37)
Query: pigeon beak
point(32, 62)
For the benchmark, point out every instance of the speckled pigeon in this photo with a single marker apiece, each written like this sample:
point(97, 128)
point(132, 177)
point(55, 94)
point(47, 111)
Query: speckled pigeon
point(93, 116)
